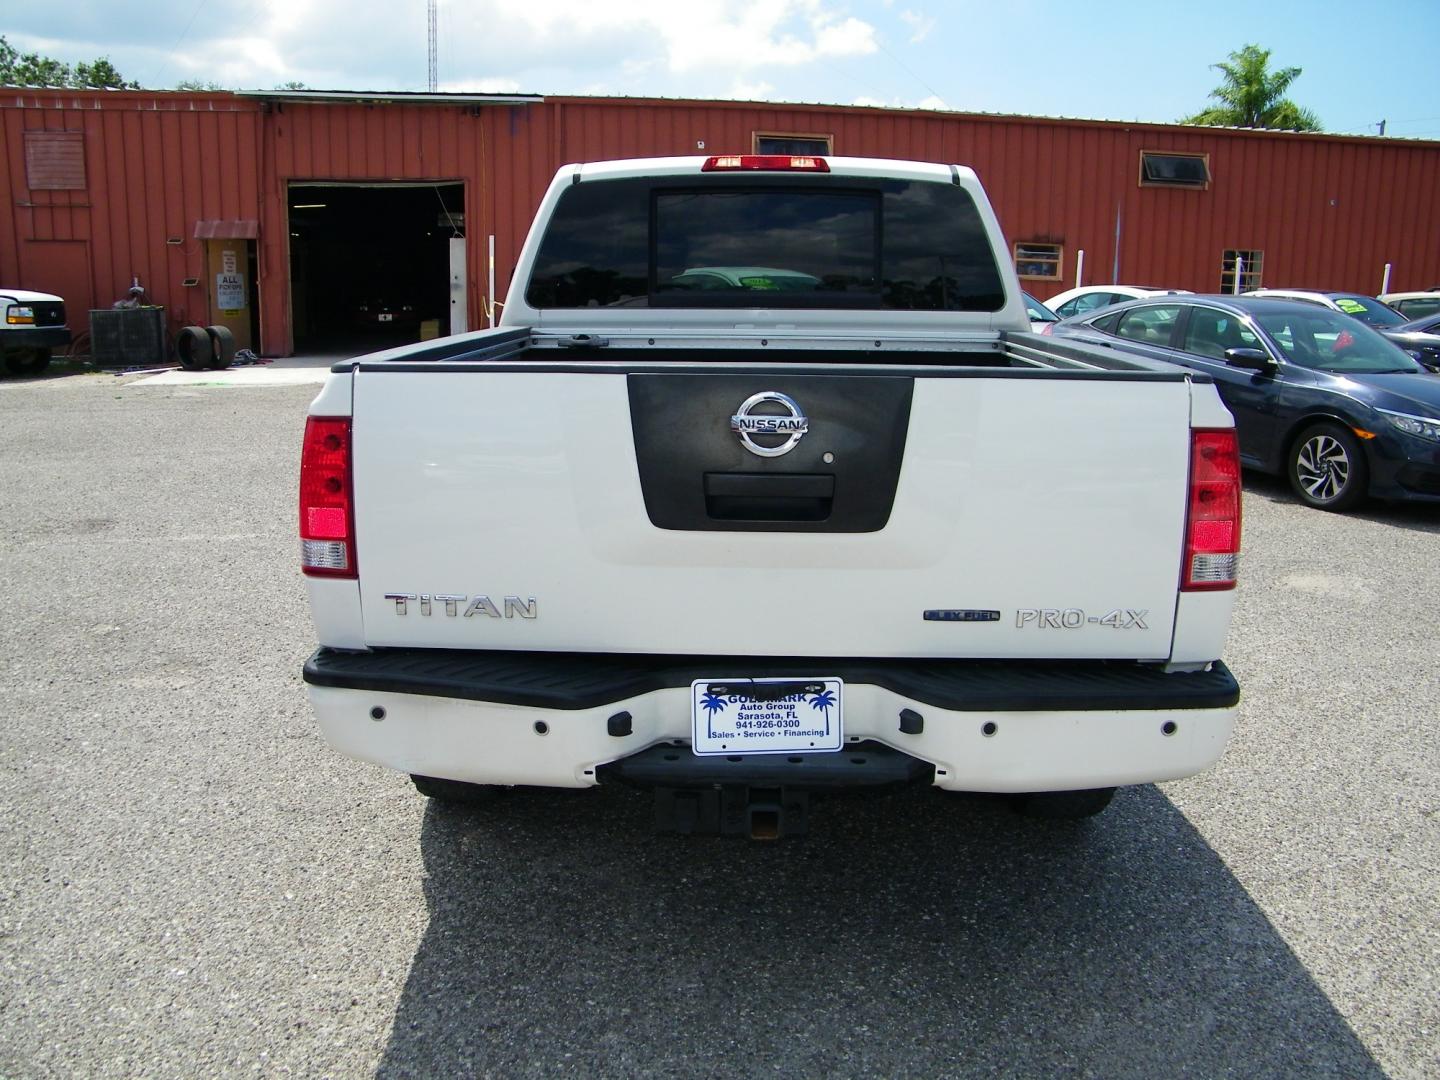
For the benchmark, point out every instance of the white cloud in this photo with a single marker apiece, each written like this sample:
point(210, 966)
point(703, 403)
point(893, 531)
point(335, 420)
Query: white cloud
point(920, 25)
point(719, 35)
point(240, 61)
point(931, 102)
point(642, 47)
point(849, 38)
point(480, 86)
point(740, 90)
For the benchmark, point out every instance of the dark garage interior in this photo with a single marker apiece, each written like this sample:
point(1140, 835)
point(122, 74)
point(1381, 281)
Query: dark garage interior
point(370, 264)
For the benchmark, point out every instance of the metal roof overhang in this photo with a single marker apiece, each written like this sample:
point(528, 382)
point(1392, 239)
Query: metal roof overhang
point(227, 229)
point(374, 97)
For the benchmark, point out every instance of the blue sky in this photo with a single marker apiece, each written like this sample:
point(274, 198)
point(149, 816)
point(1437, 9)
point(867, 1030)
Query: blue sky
point(1119, 60)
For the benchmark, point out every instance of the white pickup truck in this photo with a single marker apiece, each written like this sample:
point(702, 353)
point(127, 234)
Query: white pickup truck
point(33, 324)
point(762, 488)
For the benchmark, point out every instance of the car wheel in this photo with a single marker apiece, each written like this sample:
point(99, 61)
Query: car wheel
point(1328, 468)
point(1063, 805)
point(454, 792)
point(27, 361)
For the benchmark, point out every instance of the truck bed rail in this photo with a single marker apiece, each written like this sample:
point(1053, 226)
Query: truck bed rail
point(993, 355)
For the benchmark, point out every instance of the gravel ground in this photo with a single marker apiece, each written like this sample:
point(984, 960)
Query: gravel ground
point(193, 884)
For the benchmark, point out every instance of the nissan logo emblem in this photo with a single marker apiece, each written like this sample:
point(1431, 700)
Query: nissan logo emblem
point(786, 423)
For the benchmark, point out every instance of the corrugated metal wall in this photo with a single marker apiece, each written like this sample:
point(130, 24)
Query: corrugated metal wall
point(1326, 211)
point(154, 165)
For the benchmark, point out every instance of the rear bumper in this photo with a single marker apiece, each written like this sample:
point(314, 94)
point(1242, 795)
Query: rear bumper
point(545, 719)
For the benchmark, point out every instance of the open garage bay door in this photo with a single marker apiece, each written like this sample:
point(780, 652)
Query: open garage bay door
point(370, 264)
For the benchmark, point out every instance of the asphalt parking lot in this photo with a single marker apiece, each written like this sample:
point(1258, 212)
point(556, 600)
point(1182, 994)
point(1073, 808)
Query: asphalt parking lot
point(193, 884)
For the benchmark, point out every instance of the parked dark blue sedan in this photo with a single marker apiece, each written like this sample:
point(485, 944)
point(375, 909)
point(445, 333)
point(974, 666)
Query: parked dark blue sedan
point(1316, 395)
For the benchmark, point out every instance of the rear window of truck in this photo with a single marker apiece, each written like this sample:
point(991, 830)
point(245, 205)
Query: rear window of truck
point(777, 242)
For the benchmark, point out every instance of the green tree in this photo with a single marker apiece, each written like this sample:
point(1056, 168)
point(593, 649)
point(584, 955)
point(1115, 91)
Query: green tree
point(32, 69)
point(291, 85)
point(102, 74)
point(1251, 95)
point(199, 84)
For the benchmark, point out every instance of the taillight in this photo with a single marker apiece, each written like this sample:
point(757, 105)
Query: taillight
point(327, 504)
point(766, 163)
point(1212, 519)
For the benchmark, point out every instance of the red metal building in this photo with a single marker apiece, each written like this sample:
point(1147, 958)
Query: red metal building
point(302, 197)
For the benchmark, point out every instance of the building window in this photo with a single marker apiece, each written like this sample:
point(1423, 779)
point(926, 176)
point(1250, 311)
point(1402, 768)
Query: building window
point(55, 160)
point(1035, 260)
point(1250, 263)
point(779, 142)
point(1174, 170)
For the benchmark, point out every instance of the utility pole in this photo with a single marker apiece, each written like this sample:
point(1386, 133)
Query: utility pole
point(1382, 127)
point(433, 16)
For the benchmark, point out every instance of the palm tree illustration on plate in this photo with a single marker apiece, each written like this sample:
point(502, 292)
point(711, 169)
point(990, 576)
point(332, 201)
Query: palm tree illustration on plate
point(823, 701)
point(711, 703)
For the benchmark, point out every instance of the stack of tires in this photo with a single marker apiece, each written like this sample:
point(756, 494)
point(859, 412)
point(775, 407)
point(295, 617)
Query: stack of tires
point(202, 347)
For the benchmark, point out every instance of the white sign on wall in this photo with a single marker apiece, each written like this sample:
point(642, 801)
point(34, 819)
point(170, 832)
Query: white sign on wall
point(227, 261)
point(229, 292)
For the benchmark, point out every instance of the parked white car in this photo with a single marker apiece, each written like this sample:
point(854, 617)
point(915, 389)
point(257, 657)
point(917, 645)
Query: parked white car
point(1041, 317)
point(1365, 308)
point(1413, 305)
point(1073, 302)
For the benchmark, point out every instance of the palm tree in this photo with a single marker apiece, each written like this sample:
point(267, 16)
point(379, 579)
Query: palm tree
point(824, 700)
point(1251, 95)
point(711, 703)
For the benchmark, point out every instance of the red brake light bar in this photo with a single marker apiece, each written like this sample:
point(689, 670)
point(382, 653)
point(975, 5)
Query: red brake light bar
point(765, 163)
point(1212, 519)
point(327, 506)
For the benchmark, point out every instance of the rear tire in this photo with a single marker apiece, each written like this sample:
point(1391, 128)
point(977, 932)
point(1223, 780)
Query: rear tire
point(222, 347)
point(28, 361)
point(1327, 468)
point(194, 348)
point(1063, 805)
point(454, 792)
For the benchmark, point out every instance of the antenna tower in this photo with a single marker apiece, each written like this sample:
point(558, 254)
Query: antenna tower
point(433, 17)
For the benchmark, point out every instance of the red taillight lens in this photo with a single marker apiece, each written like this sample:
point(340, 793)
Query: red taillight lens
point(766, 163)
point(327, 505)
point(1212, 520)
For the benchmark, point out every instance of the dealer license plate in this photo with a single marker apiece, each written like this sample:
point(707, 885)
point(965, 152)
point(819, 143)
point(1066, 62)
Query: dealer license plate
point(766, 716)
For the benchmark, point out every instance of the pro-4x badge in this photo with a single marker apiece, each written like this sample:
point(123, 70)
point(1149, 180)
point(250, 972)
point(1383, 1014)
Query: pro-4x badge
point(1074, 618)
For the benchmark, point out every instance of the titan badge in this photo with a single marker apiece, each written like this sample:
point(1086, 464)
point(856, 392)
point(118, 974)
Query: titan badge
point(479, 605)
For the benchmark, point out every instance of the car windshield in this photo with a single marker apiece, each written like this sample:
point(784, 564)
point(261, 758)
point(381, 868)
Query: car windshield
point(1328, 341)
point(1038, 312)
point(1369, 310)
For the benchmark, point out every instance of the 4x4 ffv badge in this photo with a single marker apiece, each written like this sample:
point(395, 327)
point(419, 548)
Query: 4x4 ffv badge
point(789, 425)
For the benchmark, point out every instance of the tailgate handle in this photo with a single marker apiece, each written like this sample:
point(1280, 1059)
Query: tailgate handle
point(769, 496)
